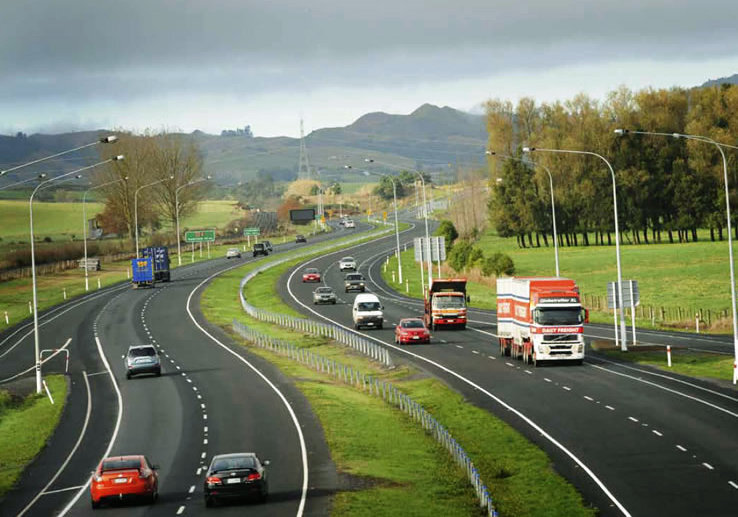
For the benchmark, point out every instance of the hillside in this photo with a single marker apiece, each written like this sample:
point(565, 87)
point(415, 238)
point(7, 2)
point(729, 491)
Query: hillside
point(733, 79)
point(429, 138)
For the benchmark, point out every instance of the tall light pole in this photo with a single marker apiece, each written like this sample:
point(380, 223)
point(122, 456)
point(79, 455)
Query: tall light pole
point(104, 140)
point(719, 146)
point(553, 205)
point(10, 185)
point(33, 263)
point(135, 205)
point(84, 222)
point(176, 216)
point(397, 226)
point(425, 213)
point(623, 336)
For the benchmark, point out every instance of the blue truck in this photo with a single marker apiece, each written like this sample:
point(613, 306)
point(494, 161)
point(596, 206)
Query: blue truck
point(143, 272)
point(160, 255)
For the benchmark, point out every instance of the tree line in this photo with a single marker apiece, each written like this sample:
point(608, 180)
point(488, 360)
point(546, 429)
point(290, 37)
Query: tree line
point(667, 188)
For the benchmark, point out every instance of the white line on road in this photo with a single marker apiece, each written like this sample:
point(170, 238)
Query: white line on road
point(681, 448)
point(610, 408)
point(58, 491)
point(459, 346)
point(181, 510)
point(589, 398)
point(654, 431)
point(632, 419)
point(733, 484)
point(192, 489)
point(567, 388)
point(707, 465)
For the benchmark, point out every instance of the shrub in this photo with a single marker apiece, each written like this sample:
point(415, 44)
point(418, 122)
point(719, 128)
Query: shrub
point(476, 257)
point(47, 239)
point(458, 257)
point(498, 264)
point(448, 230)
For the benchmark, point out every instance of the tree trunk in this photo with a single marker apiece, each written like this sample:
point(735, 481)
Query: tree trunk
point(694, 234)
point(574, 236)
point(720, 233)
point(585, 239)
point(609, 239)
point(538, 240)
point(567, 240)
point(712, 234)
point(530, 240)
point(645, 235)
point(545, 239)
point(671, 236)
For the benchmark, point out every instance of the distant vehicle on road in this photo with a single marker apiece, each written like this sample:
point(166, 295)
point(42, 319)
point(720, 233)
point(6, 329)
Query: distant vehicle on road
point(300, 238)
point(233, 253)
point(367, 311)
point(350, 223)
point(411, 330)
point(347, 263)
point(324, 294)
point(142, 359)
point(235, 476)
point(260, 249)
point(268, 246)
point(143, 272)
point(354, 282)
point(445, 303)
point(311, 275)
point(124, 477)
point(160, 255)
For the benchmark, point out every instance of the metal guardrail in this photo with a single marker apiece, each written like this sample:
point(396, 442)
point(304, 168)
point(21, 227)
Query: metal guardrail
point(386, 390)
point(363, 345)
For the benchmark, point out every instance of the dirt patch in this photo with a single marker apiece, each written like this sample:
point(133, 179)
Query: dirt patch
point(352, 483)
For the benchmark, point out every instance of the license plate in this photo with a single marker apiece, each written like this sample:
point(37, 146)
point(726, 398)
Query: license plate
point(416, 337)
point(231, 481)
point(120, 480)
point(370, 324)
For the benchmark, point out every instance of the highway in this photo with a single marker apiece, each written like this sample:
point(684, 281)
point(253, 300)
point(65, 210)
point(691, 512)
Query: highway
point(211, 398)
point(633, 441)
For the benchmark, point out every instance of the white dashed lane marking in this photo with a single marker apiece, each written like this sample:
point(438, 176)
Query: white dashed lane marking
point(681, 448)
point(632, 419)
point(654, 431)
point(707, 465)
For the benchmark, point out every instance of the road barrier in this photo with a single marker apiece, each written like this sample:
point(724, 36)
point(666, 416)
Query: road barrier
point(379, 388)
point(328, 330)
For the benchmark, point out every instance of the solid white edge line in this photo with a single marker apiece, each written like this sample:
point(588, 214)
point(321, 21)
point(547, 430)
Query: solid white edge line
point(115, 431)
point(71, 453)
point(505, 405)
point(298, 428)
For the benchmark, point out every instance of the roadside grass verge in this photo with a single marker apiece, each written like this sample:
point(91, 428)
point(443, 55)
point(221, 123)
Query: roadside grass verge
point(25, 427)
point(372, 440)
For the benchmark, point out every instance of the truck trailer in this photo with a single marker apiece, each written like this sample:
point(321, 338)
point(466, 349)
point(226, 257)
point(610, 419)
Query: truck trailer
point(540, 319)
point(143, 272)
point(160, 255)
point(445, 303)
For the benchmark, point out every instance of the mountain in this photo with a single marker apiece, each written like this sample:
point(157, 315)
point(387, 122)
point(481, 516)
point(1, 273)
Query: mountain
point(733, 79)
point(429, 138)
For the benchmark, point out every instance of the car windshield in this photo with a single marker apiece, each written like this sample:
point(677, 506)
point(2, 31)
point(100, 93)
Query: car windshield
point(412, 324)
point(448, 302)
point(233, 250)
point(239, 462)
point(563, 316)
point(324, 290)
point(121, 464)
point(354, 277)
point(369, 306)
point(311, 271)
point(347, 259)
point(259, 246)
point(142, 352)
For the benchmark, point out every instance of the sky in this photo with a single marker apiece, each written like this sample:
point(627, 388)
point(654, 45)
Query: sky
point(221, 64)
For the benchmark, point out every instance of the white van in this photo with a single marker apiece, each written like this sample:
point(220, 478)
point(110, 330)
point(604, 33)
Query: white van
point(367, 311)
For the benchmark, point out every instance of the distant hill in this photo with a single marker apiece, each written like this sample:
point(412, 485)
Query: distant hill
point(733, 79)
point(429, 138)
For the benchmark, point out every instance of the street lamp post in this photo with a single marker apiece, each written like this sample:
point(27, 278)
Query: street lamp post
point(397, 226)
point(84, 223)
point(135, 205)
point(104, 140)
point(10, 185)
point(719, 146)
point(425, 214)
point(37, 355)
point(176, 216)
point(623, 336)
point(553, 205)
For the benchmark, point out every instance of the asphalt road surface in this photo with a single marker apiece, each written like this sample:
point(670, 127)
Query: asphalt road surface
point(211, 398)
point(634, 441)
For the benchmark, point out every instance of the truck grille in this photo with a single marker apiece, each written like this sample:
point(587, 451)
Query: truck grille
point(560, 338)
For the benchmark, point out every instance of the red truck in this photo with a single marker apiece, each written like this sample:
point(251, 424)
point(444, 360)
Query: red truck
point(445, 303)
point(540, 319)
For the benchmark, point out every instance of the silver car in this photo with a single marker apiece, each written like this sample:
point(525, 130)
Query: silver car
point(324, 295)
point(142, 359)
point(347, 263)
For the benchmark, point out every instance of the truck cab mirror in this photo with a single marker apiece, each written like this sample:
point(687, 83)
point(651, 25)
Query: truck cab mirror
point(468, 298)
point(586, 315)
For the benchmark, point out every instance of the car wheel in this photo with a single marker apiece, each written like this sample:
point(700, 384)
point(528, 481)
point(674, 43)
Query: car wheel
point(158, 372)
point(334, 302)
point(128, 375)
point(209, 501)
point(95, 504)
point(380, 326)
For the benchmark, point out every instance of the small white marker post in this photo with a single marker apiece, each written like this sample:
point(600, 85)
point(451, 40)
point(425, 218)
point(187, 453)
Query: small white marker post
point(697, 322)
point(7, 320)
point(208, 249)
point(98, 283)
point(193, 253)
point(128, 274)
point(64, 292)
point(47, 391)
point(30, 308)
point(407, 286)
point(393, 277)
point(668, 356)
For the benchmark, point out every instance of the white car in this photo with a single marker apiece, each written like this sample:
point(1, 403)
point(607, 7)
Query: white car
point(233, 253)
point(347, 263)
point(350, 224)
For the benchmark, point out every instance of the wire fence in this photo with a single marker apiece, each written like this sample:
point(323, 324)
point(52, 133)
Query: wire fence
point(379, 388)
point(328, 330)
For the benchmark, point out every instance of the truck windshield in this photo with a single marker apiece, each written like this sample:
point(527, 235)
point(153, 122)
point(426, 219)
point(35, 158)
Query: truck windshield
point(563, 316)
point(448, 302)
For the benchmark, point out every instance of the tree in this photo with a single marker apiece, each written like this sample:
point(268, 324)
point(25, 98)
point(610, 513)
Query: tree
point(385, 189)
point(448, 231)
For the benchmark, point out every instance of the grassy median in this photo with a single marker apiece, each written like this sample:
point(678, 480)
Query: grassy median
point(396, 469)
point(25, 426)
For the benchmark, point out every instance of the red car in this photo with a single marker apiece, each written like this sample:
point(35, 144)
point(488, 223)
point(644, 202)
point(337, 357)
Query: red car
point(311, 275)
point(411, 330)
point(124, 477)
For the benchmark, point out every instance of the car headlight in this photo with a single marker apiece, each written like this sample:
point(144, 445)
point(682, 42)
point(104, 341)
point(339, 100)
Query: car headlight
point(544, 349)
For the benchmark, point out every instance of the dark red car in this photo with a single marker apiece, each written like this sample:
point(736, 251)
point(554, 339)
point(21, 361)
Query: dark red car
point(411, 330)
point(311, 275)
point(124, 477)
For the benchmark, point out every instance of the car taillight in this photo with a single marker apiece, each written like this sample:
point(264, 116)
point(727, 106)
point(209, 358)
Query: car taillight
point(254, 476)
point(213, 480)
point(98, 478)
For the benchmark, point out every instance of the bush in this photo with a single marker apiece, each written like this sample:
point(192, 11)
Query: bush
point(47, 239)
point(448, 230)
point(498, 264)
point(476, 257)
point(458, 257)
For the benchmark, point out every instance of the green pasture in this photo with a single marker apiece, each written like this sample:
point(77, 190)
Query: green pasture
point(55, 220)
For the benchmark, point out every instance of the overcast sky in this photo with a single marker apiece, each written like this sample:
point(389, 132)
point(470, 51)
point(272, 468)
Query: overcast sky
point(215, 64)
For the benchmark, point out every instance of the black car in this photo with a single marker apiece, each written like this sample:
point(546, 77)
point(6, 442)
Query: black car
point(260, 249)
point(235, 476)
point(354, 282)
point(300, 238)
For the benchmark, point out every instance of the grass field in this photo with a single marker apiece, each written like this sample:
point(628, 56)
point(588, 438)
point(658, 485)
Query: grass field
point(404, 472)
point(25, 427)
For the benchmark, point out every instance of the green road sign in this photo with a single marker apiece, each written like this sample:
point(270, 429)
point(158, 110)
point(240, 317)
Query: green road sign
point(200, 236)
point(251, 231)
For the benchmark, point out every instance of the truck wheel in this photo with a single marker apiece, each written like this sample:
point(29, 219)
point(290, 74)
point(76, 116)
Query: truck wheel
point(579, 362)
point(462, 326)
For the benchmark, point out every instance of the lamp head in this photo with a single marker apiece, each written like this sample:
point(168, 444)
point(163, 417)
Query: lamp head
point(676, 135)
point(208, 177)
point(108, 139)
point(2, 172)
point(42, 175)
point(347, 167)
point(528, 149)
point(490, 153)
point(125, 178)
point(621, 132)
point(369, 160)
point(118, 158)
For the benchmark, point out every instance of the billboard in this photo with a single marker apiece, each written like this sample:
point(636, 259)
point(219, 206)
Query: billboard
point(302, 215)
